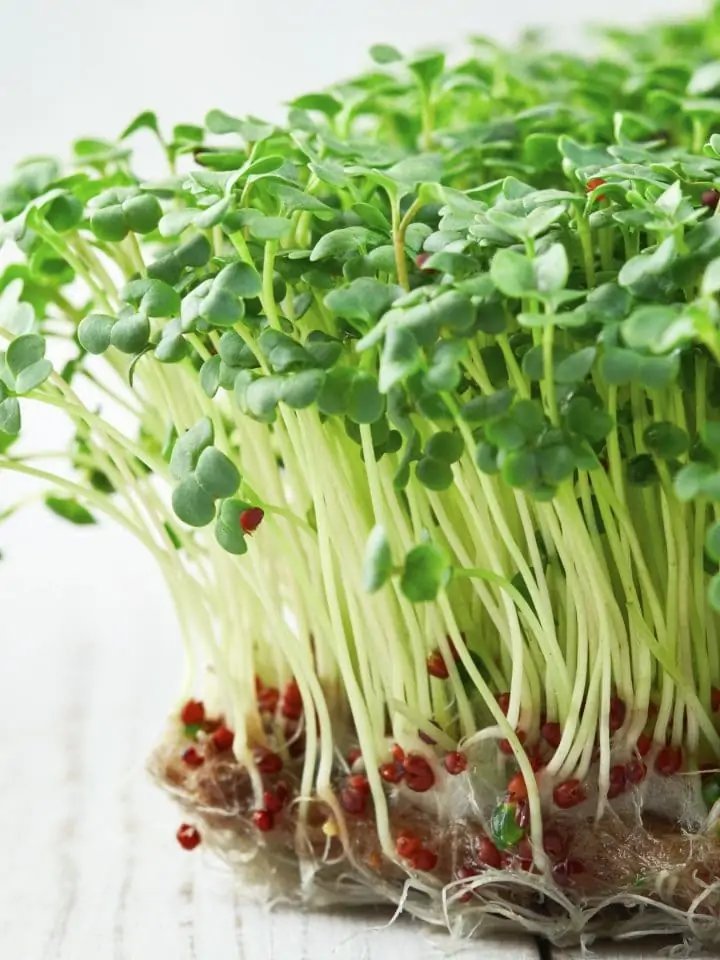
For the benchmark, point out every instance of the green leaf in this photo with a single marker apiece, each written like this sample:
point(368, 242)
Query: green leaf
point(10, 421)
point(32, 376)
point(228, 527)
point(401, 358)
point(172, 347)
point(364, 299)
point(321, 102)
point(575, 367)
point(639, 275)
point(690, 480)
point(426, 572)
point(192, 504)
point(712, 541)
point(618, 366)
point(489, 407)
point(130, 333)
point(188, 447)
point(24, 352)
point(446, 446)
point(666, 440)
point(216, 473)
point(423, 168)
point(262, 397)
point(240, 279)
point(711, 278)
point(428, 68)
point(301, 390)
point(64, 213)
point(94, 332)
point(143, 213)
point(647, 326)
point(210, 376)
point(551, 269)
point(512, 273)
point(146, 120)
point(434, 474)
point(384, 53)
point(339, 243)
point(71, 510)
point(377, 564)
point(365, 402)
point(706, 79)
point(519, 468)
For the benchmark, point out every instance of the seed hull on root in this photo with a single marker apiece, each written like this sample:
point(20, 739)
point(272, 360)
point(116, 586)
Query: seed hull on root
point(631, 873)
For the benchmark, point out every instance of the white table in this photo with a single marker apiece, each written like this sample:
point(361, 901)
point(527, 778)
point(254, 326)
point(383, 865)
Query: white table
point(89, 867)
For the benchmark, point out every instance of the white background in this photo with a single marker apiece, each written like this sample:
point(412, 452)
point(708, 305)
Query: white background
point(70, 68)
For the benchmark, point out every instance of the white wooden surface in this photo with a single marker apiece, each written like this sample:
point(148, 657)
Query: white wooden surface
point(89, 867)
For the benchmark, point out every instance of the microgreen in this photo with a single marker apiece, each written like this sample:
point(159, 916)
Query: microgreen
point(435, 362)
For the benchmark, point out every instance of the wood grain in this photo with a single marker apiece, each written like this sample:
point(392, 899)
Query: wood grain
point(90, 867)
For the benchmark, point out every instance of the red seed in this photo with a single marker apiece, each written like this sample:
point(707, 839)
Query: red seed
point(188, 837)
point(715, 699)
point(562, 872)
point(273, 802)
point(488, 854)
point(517, 788)
point(419, 775)
point(192, 713)
point(536, 763)
point(710, 199)
point(353, 801)
point(360, 783)
point(424, 860)
point(436, 666)
point(552, 734)
point(251, 519)
point(593, 183)
point(643, 745)
point(192, 758)
point(554, 844)
point(455, 763)
point(505, 745)
point(223, 739)
point(421, 259)
point(268, 699)
point(569, 794)
point(617, 713)
point(668, 761)
point(353, 756)
point(294, 738)
point(525, 853)
point(263, 820)
point(503, 700)
point(635, 771)
point(398, 753)
point(267, 761)
point(407, 844)
point(466, 873)
point(282, 792)
point(617, 781)
point(292, 703)
point(392, 772)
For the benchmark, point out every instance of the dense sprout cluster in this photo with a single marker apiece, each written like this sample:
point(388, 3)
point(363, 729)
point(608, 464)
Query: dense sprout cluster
point(425, 400)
